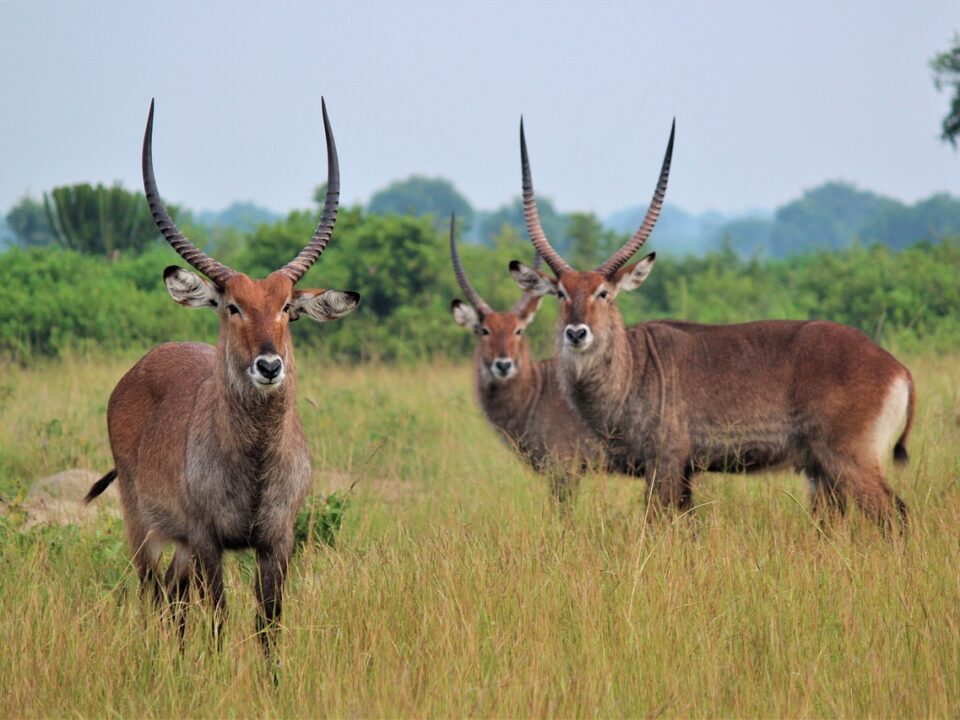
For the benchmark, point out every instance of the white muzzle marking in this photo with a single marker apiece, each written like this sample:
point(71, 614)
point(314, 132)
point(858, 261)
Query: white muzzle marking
point(503, 368)
point(577, 337)
point(267, 371)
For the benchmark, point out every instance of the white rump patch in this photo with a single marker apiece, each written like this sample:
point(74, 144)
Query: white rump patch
point(892, 419)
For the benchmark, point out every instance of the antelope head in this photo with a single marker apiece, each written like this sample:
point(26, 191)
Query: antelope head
point(503, 348)
point(588, 312)
point(255, 315)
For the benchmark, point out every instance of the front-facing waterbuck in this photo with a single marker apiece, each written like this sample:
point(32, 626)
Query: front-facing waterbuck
point(208, 448)
point(521, 397)
point(671, 399)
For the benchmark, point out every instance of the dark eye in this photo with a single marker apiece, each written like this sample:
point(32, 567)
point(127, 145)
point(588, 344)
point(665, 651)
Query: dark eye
point(603, 294)
point(484, 331)
point(519, 331)
point(234, 310)
point(561, 295)
point(287, 308)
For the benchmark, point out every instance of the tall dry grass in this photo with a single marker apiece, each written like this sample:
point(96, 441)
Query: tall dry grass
point(457, 590)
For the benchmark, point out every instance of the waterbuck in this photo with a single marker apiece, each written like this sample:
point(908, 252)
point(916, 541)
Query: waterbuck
point(207, 444)
point(671, 399)
point(520, 397)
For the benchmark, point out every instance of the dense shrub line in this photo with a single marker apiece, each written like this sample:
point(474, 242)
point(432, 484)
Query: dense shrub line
point(55, 298)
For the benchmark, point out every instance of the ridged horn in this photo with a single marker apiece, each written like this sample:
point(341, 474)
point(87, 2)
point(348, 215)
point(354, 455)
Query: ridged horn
point(472, 295)
point(214, 270)
point(296, 268)
point(616, 261)
point(532, 217)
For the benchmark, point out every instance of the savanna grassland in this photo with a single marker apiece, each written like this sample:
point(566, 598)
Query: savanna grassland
point(456, 589)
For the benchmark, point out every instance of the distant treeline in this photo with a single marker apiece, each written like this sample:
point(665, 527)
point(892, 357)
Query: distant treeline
point(57, 298)
point(833, 216)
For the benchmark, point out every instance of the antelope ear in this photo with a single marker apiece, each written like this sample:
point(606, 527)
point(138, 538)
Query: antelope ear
point(527, 307)
point(465, 315)
point(632, 276)
point(323, 305)
point(191, 290)
point(532, 280)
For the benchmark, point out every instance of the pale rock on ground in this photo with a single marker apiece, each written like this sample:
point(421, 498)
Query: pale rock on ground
point(58, 499)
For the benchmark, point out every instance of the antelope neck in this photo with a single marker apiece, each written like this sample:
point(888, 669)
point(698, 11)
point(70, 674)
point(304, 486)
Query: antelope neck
point(253, 415)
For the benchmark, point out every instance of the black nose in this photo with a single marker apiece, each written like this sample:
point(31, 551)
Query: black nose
point(269, 368)
point(503, 366)
point(576, 335)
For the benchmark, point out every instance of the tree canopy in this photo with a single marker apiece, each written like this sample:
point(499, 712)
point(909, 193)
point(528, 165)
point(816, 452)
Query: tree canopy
point(946, 76)
point(99, 220)
point(554, 224)
point(418, 196)
point(27, 221)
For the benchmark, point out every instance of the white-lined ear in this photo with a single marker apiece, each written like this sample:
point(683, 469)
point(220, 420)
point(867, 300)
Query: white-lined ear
point(323, 305)
point(191, 290)
point(526, 308)
point(465, 315)
point(632, 276)
point(532, 280)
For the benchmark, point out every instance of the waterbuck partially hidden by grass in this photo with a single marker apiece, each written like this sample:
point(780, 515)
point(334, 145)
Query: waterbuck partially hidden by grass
point(672, 399)
point(520, 397)
point(208, 448)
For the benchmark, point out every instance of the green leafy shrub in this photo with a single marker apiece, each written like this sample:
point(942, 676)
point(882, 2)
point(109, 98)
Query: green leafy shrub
point(55, 299)
point(320, 520)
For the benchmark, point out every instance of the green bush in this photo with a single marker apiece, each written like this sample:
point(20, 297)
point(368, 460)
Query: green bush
point(320, 520)
point(55, 299)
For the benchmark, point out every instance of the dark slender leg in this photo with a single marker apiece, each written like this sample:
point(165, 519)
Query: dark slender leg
point(562, 487)
point(673, 489)
point(271, 572)
point(877, 500)
point(150, 584)
point(177, 584)
point(146, 561)
point(210, 562)
point(827, 498)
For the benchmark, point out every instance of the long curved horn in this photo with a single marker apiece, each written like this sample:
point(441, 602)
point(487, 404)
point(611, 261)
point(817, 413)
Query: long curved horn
point(472, 295)
point(530, 214)
point(214, 270)
point(616, 261)
point(296, 268)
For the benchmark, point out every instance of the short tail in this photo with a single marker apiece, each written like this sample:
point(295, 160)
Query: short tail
point(900, 454)
point(100, 485)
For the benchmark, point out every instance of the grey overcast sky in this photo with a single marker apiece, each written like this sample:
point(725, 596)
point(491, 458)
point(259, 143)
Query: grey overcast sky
point(770, 97)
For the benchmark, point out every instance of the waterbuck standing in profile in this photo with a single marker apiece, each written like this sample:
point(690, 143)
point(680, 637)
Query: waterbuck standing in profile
point(208, 448)
point(520, 397)
point(672, 399)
